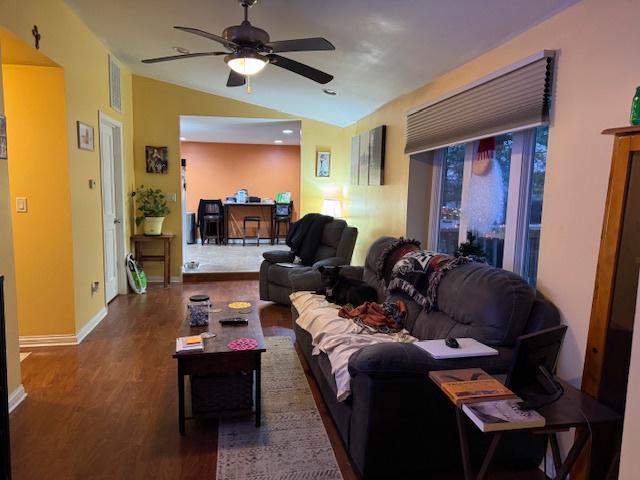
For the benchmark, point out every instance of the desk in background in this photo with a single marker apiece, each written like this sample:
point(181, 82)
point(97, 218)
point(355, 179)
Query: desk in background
point(235, 212)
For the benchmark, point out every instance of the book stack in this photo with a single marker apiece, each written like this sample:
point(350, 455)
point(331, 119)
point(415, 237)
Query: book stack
point(486, 401)
point(193, 343)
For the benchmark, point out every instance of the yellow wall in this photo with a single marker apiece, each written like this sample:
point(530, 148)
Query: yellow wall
point(7, 269)
point(39, 171)
point(68, 42)
point(157, 108)
point(597, 72)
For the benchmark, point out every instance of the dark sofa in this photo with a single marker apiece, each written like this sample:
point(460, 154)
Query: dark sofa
point(336, 248)
point(396, 423)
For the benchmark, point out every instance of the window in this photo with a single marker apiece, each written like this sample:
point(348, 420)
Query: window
point(493, 188)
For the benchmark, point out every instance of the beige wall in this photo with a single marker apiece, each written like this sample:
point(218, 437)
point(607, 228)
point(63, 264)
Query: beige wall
point(68, 42)
point(597, 72)
point(157, 109)
point(7, 269)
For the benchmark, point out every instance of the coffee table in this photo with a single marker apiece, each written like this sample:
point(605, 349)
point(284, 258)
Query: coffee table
point(217, 358)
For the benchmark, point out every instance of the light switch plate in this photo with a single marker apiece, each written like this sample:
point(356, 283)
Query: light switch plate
point(170, 196)
point(21, 204)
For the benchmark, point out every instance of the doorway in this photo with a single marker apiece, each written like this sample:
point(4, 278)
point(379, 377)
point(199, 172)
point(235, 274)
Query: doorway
point(112, 183)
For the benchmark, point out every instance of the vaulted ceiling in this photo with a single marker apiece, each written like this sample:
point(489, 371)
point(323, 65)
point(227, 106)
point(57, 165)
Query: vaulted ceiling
point(384, 48)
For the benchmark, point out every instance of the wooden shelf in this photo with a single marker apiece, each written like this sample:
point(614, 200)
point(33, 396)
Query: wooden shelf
point(630, 130)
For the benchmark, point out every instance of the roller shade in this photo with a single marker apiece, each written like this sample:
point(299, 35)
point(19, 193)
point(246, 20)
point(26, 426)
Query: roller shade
point(512, 101)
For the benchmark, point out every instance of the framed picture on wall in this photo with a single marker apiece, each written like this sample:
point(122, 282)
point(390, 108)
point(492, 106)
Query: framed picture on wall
point(157, 159)
point(85, 136)
point(3, 137)
point(323, 164)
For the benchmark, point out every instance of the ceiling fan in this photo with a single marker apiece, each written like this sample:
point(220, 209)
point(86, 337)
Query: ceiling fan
point(251, 50)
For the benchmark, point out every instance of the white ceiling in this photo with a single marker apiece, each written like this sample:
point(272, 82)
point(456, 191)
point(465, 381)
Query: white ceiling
point(238, 130)
point(384, 48)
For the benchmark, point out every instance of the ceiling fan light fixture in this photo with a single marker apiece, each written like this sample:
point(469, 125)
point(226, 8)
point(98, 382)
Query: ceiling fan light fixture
point(246, 63)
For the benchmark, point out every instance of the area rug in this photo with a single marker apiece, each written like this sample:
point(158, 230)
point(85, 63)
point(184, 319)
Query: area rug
point(292, 443)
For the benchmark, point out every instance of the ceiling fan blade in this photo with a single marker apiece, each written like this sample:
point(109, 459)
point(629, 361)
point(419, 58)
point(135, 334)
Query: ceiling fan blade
point(301, 45)
point(235, 79)
point(300, 68)
point(227, 43)
point(179, 57)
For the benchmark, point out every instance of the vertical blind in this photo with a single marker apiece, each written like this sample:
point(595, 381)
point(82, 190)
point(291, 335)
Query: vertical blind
point(512, 101)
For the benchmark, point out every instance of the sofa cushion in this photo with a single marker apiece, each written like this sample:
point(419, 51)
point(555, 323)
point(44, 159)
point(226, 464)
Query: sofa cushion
point(331, 236)
point(487, 303)
point(280, 275)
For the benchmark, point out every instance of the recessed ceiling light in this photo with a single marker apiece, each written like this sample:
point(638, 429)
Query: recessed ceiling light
point(328, 91)
point(181, 50)
point(277, 141)
point(287, 131)
point(182, 139)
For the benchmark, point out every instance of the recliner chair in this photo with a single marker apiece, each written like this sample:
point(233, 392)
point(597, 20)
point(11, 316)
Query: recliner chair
point(336, 248)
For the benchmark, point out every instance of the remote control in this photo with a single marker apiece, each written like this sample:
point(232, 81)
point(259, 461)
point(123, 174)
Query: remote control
point(234, 321)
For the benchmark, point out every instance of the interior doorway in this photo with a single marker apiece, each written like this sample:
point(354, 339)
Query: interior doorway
point(237, 174)
point(112, 183)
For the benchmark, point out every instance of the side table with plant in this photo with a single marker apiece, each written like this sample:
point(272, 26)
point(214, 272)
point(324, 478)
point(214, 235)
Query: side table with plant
point(152, 205)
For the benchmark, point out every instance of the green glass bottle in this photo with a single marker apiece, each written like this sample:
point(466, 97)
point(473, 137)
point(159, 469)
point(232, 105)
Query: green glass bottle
point(635, 108)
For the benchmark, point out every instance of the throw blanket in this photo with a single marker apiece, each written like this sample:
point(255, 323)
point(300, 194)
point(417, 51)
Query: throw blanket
point(304, 236)
point(377, 318)
point(338, 337)
point(419, 274)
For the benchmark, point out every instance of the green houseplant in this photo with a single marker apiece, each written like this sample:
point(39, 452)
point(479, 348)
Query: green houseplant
point(152, 205)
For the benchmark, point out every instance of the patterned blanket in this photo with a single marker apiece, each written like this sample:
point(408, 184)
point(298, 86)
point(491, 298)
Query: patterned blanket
point(419, 274)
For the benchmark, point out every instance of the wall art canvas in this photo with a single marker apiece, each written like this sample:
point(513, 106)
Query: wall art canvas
point(323, 164)
point(157, 159)
point(3, 138)
point(376, 154)
point(85, 136)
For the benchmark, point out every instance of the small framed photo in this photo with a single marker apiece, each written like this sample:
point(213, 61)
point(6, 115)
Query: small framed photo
point(157, 159)
point(85, 136)
point(3, 137)
point(323, 164)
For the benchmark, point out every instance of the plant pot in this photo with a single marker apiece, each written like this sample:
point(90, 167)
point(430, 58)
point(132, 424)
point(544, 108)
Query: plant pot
point(153, 225)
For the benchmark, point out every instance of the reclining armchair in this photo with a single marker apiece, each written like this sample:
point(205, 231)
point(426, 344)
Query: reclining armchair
point(335, 248)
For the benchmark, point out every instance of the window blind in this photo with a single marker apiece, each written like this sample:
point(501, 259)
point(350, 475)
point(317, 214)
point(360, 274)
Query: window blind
point(515, 100)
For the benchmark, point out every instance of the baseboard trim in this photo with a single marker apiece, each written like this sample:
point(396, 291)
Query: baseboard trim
point(30, 341)
point(160, 279)
point(91, 324)
point(17, 397)
point(63, 340)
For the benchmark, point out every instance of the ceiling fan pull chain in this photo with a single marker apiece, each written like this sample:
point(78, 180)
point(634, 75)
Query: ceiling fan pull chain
point(248, 77)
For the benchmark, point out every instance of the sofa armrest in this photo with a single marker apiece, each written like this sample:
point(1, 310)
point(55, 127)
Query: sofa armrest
point(330, 262)
point(305, 279)
point(277, 256)
point(393, 359)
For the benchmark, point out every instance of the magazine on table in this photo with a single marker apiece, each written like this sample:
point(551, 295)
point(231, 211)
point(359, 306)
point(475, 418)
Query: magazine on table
point(500, 415)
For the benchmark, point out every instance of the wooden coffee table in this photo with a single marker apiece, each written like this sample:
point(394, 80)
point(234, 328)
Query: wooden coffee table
point(217, 358)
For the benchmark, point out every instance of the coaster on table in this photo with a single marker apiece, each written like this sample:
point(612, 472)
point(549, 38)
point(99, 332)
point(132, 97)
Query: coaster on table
point(243, 344)
point(240, 305)
point(216, 310)
point(248, 310)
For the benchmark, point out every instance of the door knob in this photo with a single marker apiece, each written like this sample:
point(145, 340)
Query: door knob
point(116, 220)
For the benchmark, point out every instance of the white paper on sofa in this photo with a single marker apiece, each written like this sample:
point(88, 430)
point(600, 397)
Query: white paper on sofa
point(338, 337)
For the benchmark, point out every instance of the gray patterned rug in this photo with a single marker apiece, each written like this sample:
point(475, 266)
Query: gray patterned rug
point(292, 443)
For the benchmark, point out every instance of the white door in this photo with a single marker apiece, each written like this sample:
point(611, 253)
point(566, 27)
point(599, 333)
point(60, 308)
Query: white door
point(109, 217)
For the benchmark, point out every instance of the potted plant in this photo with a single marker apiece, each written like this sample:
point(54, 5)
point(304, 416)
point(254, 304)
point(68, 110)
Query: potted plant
point(152, 204)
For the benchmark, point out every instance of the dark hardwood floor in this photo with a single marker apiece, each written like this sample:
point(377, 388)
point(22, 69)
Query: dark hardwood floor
point(107, 409)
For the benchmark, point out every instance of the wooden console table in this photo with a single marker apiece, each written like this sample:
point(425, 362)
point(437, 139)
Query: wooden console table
point(165, 258)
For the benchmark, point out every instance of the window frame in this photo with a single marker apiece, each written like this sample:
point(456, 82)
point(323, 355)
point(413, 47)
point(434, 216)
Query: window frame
point(518, 198)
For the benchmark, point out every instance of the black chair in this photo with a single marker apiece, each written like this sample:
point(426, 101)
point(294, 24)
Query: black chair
point(211, 214)
point(281, 215)
point(250, 218)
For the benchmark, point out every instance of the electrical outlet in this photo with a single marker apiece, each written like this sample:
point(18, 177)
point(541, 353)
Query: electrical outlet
point(94, 288)
point(92, 183)
point(21, 204)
